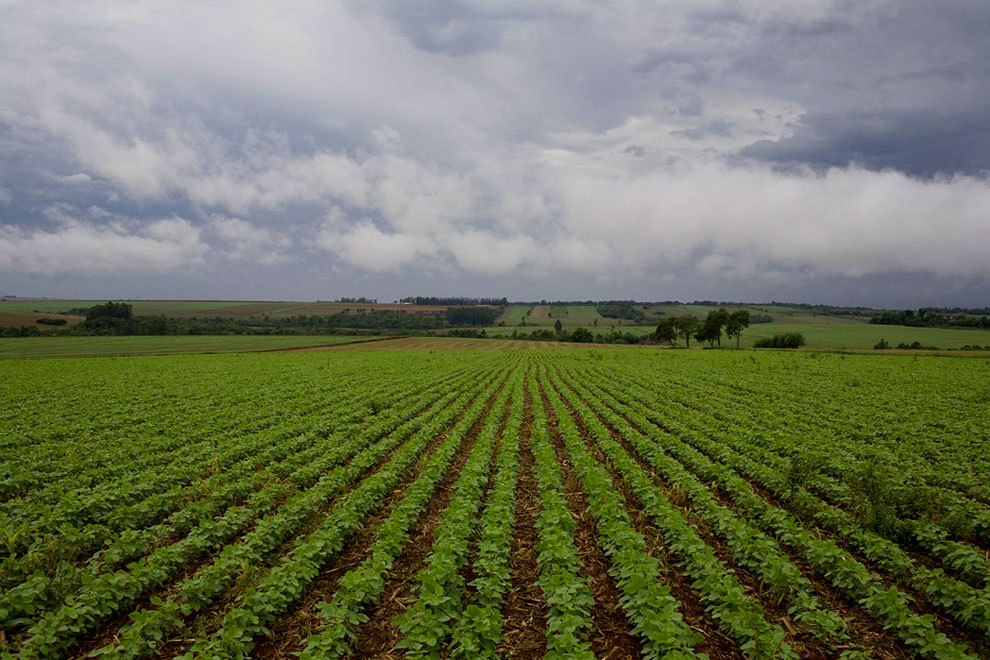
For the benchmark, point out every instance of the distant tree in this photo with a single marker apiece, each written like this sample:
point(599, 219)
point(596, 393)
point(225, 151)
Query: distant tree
point(710, 329)
point(471, 315)
point(736, 323)
point(112, 317)
point(686, 326)
point(558, 326)
point(110, 310)
point(582, 335)
point(666, 331)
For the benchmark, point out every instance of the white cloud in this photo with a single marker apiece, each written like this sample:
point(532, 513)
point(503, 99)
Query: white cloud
point(78, 247)
point(847, 221)
point(78, 177)
point(248, 242)
point(482, 252)
point(366, 247)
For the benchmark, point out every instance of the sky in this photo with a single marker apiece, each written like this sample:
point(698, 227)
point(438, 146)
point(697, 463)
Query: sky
point(817, 151)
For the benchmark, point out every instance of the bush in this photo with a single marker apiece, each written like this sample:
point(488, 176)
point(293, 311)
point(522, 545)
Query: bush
point(881, 345)
point(786, 340)
point(46, 320)
point(582, 335)
point(916, 346)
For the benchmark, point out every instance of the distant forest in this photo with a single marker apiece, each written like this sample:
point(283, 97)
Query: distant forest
point(933, 317)
point(118, 319)
point(442, 302)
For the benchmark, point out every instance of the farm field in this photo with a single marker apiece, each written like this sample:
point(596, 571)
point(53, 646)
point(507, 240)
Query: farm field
point(568, 315)
point(830, 333)
point(225, 308)
point(17, 319)
point(496, 503)
point(46, 347)
point(457, 343)
point(514, 314)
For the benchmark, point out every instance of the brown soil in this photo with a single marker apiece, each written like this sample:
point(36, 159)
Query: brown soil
point(288, 635)
point(377, 638)
point(19, 319)
point(716, 643)
point(524, 618)
point(611, 636)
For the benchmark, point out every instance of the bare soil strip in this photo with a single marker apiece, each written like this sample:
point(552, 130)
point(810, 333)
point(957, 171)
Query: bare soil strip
point(524, 619)
point(716, 644)
point(611, 637)
point(377, 638)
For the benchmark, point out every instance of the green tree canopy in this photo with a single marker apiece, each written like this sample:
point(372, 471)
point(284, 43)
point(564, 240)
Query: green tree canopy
point(736, 323)
point(666, 331)
point(686, 326)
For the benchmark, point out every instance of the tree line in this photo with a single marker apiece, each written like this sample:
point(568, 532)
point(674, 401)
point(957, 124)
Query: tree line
point(930, 317)
point(118, 318)
point(708, 330)
point(440, 301)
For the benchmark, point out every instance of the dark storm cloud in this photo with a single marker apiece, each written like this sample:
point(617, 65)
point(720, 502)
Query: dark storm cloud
point(896, 86)
point(914, 143)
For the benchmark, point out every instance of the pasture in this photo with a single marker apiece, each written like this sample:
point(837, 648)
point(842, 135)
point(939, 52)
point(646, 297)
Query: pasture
point(822, 333)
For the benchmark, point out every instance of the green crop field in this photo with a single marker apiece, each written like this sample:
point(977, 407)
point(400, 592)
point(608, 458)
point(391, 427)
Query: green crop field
point(496, 503)
point(568, 315)
point(514, 314)
point(42, 347)
point(833, 333)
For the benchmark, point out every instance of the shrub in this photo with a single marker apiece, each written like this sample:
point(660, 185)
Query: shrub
point(786, 340)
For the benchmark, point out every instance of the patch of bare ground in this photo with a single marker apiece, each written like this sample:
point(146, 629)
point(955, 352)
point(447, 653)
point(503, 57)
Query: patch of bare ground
point(377, 638)
point(886, 644)
point(611, 636)
point(524, 618)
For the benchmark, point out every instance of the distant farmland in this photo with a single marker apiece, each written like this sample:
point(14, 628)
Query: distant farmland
point(189, 308)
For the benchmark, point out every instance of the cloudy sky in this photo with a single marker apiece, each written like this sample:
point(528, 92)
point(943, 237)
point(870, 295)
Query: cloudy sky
point(816, 150)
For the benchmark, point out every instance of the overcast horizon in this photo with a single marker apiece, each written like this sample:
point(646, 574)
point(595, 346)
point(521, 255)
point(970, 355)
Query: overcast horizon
point(817, 152)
